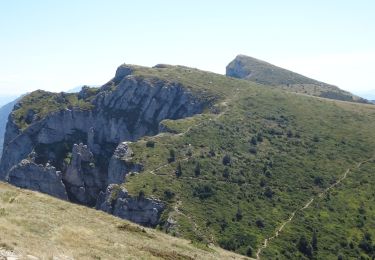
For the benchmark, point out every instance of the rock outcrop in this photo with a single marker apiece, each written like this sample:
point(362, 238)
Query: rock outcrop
point(43, 178)
point(82, 179)
point(121, 164)
point(116, 200)
point(88, 143)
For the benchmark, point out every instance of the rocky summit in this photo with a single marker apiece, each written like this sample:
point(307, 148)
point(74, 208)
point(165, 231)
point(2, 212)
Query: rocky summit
point(75, 150)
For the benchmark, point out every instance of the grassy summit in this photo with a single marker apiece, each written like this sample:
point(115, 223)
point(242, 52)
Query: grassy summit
point(234, 174)
point(255, 70)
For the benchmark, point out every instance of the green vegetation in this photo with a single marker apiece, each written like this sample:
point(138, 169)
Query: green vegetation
point(39, 104)
point(339, 225)
point(266, 152)
point(232, 175)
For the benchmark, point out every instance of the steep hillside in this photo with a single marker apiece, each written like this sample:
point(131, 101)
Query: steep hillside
point(36, 226)
point(248, 68)
point(199, 155)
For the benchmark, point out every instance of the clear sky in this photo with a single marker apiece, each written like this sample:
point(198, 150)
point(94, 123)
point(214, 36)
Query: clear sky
point(58, 45)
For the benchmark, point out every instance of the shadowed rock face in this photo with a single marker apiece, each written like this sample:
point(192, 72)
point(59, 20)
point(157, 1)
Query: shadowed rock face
point(87, 145)
point(44, 178)
point(115, 200)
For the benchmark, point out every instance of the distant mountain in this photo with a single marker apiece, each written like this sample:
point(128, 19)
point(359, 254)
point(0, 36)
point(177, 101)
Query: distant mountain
point(79, 88)
point(4, 113)
point(368, 94)
point(248, 68)
point(5, 99)
point(74, 90)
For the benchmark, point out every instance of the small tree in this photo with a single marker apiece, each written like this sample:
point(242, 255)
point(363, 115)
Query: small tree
point(178, 170)
point(260, 223)
point(249, 251)
point(226, 173)
point(239, 214)
point(150, 144)
point(314, 241)
point(197, 169)
point(227, 160)
point(253, 140)
point(304, 246)
point(268, 192)
point(172, 156)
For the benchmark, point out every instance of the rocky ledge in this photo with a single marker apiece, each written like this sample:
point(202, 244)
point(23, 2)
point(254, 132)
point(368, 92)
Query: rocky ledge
point(116, 201)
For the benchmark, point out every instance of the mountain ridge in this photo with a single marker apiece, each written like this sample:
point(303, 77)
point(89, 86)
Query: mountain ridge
point(252, 69)
point(218, 153)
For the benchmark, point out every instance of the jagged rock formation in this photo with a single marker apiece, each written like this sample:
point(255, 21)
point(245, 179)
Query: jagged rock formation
point(82, 179)
point(121, 164)
point(44, 178)
point(248, 68)
point(140, 210)
point(85, 138)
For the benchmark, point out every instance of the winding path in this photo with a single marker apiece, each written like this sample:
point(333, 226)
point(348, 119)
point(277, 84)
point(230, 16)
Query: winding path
point(307, 205)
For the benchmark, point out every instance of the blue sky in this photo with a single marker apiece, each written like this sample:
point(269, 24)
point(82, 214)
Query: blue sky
point(57, 45)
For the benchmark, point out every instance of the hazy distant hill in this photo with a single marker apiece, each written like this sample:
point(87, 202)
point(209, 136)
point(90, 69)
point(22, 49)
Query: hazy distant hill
point(368, 94)
point(248, 68)
point(5, 99)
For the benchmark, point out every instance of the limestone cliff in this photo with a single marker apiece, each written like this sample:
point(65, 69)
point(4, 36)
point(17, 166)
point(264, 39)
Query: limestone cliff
point(116, 200)
point(78, 141)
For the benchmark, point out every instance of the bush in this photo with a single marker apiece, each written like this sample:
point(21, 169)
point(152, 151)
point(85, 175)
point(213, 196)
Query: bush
point(238, 242)
point(226, 173)
point(150, 144)
point(260, 223)
point(211, 153)
point(254, 140)
point(178, 171)
point(304, 246)
point(172, 156)
point(169, 194)
point(268, 192)
point(197, 170)
point(260, 137)
point(227, 160)
point(253, 150)
point(249, 251)
point(203, 191)
point(318, 181)
point(239, 214)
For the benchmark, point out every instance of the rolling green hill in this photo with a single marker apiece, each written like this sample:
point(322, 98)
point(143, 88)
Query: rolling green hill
point(248, 68)
point(240, 173)
point(254, 160)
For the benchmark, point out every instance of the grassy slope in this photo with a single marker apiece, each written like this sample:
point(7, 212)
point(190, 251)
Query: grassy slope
point(39, 225)
point(307, 144)
point(341, 220)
